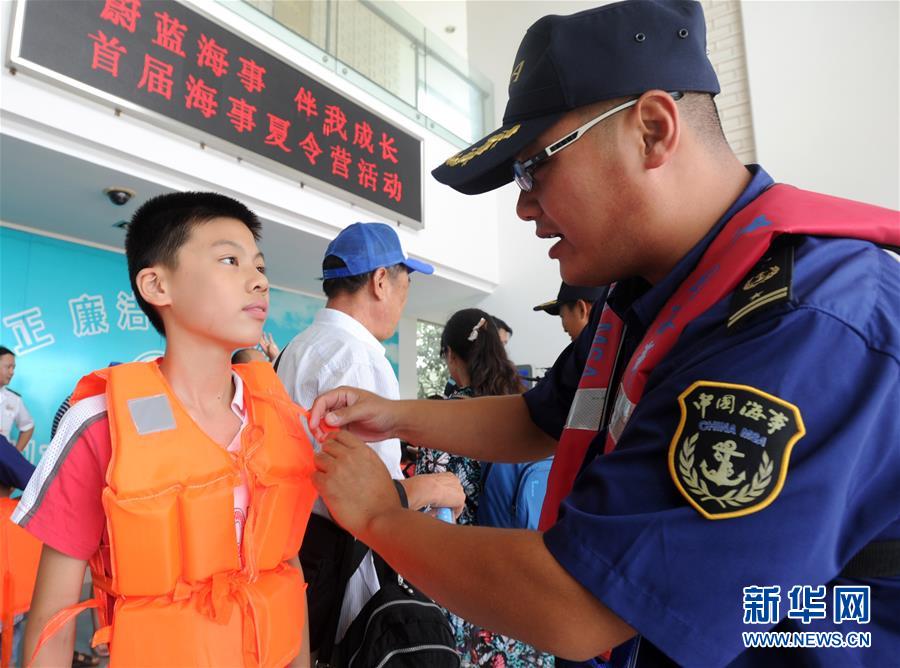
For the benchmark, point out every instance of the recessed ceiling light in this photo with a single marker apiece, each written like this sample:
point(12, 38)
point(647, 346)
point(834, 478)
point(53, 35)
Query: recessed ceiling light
point(450, 29)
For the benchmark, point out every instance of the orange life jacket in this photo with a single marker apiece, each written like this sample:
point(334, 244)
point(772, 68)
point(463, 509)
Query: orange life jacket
point(181, 594)
point(20, 553)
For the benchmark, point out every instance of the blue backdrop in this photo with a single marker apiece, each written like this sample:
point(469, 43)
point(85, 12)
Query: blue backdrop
point(67, 309)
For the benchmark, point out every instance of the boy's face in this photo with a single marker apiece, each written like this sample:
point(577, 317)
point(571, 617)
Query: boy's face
point(218, 289)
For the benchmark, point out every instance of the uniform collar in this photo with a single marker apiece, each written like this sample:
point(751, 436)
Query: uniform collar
point(637, 302)
point(330, 317)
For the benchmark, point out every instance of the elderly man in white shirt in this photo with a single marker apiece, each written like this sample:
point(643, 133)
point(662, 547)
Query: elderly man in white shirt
point(366, 280)
point(12, 408)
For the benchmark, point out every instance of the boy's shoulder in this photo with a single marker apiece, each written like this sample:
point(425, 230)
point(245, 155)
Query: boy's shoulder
point(62, 503)
point(82, 442)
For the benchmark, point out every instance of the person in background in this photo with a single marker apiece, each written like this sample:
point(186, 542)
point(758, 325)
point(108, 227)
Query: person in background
point(267, 351)
point(504, 330)
point(12, 409)
point(573, 304)
point(19, 555)
point(15, 469)
point(477, 362)
point(366, 280)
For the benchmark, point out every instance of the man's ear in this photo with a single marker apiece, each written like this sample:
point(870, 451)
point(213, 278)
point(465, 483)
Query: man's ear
point(379, 283)
point(584, 309)
point(660, 127)
point(153, 286)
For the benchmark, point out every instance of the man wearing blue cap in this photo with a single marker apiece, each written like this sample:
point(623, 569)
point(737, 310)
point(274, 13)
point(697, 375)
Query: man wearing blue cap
point(366, 281)
point(727, 462)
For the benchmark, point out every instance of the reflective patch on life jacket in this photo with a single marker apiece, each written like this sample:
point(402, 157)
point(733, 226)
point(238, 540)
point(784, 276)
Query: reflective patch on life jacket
point(151, 414)
point(587, 409)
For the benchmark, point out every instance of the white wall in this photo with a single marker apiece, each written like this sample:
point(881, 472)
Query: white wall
point(527, 276)
point(824, 80)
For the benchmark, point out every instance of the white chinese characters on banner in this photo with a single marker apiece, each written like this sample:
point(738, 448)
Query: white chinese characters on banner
point(88, 315)
point(130, 314)
point(28, 328)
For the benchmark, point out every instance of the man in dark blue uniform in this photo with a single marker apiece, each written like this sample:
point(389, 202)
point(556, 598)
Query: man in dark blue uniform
point(736, 470)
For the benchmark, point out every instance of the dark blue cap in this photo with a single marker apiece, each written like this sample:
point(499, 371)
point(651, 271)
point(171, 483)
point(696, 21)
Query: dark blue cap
point(571, 293)
point(365, 247)
point(565, 62)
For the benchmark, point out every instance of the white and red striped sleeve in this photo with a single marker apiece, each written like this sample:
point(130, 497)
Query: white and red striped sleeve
point(61, 505)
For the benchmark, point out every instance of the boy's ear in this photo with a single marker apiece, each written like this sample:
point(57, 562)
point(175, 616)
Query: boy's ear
point(151, 283)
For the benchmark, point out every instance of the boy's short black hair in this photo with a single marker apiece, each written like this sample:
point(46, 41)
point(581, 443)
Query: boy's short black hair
point(161, 226)
point(332, 287)
point(6, 351)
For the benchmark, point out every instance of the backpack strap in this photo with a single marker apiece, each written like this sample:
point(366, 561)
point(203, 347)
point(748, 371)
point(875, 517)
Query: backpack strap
point(352, 554)
point(351, 557)
point(879, 559)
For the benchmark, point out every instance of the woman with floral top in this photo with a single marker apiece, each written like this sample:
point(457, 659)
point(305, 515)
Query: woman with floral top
point(477, 362)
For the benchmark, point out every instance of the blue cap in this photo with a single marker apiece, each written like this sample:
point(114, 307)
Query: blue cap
point(365, 247)
point(618, 50)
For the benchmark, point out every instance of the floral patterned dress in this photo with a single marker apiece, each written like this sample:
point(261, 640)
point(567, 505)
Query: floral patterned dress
point(481, 647)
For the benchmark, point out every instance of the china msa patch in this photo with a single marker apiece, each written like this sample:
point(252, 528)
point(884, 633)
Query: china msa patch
point(729, 456)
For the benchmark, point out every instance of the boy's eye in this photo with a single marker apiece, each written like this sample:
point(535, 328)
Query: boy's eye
point(229, 260)
point(261, 269)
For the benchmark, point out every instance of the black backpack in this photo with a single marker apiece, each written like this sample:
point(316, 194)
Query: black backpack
point(399, 627)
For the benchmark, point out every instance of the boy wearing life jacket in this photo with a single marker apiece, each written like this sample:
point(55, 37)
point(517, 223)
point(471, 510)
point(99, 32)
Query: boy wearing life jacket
point(184, 482)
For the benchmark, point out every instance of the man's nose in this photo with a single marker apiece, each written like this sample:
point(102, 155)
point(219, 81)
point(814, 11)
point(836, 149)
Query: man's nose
point(527, 207)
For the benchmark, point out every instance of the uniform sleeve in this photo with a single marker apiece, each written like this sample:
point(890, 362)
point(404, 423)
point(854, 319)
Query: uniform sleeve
point(548, 402)
point(24, 421)
point(631, 537)
point(61, 505)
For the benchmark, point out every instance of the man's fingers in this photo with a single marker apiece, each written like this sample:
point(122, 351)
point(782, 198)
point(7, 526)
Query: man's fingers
point(344, 438)
point(328, 403)
point(322, 461)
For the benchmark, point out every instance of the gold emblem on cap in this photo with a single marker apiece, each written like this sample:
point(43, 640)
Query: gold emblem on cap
point(517, 71)
point(460, 159)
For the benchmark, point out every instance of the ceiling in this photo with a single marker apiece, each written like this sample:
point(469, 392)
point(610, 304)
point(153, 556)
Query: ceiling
point(60, 194)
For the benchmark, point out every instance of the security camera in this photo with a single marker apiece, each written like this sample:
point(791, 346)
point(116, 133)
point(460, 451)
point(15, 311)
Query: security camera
point(119, 196)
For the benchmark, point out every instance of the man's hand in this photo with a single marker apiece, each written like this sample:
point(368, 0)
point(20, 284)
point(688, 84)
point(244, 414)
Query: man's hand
point(364, 414)
point(353, 482)
point(24, 437)
point(439, 490)
point(269, 347)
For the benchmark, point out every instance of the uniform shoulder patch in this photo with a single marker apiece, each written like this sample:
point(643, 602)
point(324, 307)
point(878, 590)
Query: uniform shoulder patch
point(767, 284)
point(729, 456)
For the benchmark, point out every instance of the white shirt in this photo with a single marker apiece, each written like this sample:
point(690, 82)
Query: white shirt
point(242, 491)
point(13, 411)
point(336, 350)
